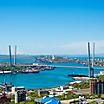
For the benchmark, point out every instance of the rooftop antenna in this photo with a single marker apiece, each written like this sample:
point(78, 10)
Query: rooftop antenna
point(15, 52)
point(93, 55)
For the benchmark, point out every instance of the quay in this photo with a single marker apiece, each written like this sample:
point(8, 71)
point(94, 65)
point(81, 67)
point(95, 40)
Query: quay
point(14, 72)
point(27, 69)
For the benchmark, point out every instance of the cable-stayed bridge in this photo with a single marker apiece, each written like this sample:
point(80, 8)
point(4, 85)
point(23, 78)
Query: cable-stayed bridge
point(89, 67)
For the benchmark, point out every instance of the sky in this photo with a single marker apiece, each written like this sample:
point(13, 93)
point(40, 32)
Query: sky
point(51, 26)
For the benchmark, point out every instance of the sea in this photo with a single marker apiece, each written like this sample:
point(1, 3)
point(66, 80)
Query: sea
point(43, 79)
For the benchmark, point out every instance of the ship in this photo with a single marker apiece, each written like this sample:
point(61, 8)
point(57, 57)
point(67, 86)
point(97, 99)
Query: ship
point(30, 71)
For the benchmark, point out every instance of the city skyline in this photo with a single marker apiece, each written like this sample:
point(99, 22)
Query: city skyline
point(51, 27)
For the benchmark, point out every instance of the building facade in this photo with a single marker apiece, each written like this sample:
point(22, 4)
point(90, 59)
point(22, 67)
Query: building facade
point(96, 86)
point(20, 96)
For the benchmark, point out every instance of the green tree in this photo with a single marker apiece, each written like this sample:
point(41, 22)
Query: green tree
point(92, 102)
point(102, 96)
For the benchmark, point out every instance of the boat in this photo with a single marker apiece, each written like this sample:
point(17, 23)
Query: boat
point(30, 71)
point(81, 78)
point(77, 75)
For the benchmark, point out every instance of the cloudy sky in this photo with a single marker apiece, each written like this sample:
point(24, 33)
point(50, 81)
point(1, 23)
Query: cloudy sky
point(51, 26)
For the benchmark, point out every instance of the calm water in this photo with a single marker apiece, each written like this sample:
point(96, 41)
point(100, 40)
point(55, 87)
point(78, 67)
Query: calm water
point(44, 79)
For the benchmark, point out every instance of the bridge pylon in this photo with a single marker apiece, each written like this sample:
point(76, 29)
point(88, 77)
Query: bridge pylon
point(90, 68)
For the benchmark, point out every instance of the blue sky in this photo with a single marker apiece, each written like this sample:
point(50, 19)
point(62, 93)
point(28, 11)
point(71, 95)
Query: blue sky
point(51, 26)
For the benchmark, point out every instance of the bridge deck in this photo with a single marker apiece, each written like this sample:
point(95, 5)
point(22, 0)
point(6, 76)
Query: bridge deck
point(59, 66)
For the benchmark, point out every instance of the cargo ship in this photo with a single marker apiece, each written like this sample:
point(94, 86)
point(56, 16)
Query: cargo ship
point(30, 71)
